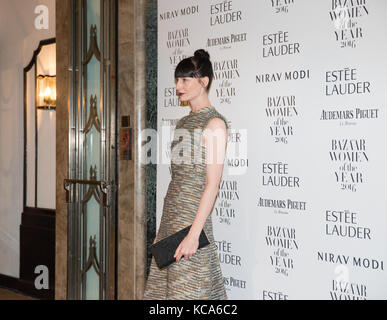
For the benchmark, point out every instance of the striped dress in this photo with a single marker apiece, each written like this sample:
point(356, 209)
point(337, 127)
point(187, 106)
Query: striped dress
point(200, 277)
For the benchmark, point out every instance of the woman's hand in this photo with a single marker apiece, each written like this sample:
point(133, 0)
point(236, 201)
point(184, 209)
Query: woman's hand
point(187, 247)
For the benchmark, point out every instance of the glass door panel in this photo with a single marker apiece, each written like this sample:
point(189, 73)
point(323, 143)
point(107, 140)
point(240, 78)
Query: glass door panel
point(91, 185)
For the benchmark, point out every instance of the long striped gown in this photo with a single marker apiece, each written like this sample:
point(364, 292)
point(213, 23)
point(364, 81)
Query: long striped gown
point(200, 277)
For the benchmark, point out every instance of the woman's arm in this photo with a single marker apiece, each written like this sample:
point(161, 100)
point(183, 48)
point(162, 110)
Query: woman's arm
point(215, 139)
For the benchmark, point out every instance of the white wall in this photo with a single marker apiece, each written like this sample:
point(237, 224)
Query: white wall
point(18, 38)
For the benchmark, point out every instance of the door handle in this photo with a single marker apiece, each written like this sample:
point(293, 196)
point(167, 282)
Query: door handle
point(106, 188)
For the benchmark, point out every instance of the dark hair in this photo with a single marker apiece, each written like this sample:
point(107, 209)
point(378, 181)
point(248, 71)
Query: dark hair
point(197, 66)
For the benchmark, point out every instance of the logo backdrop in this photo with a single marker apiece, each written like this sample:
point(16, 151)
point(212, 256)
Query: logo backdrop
point(301, 208)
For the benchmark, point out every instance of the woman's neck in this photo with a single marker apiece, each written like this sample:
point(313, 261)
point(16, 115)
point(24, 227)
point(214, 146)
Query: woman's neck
point(200, 103)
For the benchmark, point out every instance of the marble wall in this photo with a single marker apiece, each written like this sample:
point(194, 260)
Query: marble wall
point(151, 119)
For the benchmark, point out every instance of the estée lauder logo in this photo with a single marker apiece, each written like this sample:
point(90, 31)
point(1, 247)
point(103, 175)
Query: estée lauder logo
point(223, 13)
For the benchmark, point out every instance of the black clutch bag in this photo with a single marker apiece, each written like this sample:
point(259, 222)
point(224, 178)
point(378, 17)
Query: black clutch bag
point(165, 249)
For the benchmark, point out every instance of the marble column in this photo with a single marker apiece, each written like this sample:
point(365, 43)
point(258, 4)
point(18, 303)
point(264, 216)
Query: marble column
point(131, 193)
point(62, 131)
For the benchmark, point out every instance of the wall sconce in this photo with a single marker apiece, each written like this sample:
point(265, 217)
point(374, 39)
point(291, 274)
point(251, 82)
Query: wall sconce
point(46, 92)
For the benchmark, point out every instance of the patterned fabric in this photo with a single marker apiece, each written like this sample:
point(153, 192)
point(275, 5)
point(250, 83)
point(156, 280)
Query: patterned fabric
point(200, 277)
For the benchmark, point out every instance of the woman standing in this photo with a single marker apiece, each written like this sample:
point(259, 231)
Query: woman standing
point(198, 152)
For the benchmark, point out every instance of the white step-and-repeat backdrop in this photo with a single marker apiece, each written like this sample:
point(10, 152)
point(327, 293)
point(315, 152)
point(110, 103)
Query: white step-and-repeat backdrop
point(301, 211)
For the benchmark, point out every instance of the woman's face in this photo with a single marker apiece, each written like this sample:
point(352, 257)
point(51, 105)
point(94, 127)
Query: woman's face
point(189, 89)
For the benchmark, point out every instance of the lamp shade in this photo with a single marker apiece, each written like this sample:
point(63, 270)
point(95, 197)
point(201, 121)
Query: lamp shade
point(46, 91)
